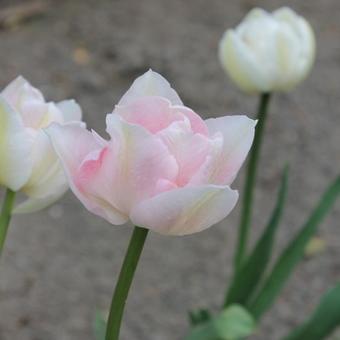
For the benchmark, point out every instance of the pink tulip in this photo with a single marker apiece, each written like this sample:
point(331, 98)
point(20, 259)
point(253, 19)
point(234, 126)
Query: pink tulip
point(164, 168)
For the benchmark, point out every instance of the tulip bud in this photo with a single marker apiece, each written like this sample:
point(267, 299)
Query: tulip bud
point(28, 163)
point(268, 51)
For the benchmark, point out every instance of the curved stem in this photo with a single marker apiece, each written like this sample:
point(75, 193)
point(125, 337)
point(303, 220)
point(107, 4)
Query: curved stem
point(250, 182)
point(5, 216)
point(124, 282)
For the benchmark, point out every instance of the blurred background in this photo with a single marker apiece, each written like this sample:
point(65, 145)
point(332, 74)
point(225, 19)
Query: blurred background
point(60, 265)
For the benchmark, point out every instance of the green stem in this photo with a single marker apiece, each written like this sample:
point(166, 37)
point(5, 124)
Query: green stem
point(5, 216)
point(250, 182)
point(124, 282)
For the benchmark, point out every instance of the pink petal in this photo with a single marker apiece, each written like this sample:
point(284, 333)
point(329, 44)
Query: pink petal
point(74, 146)
point(186, 210)
point(197, 123)
point(150, 84)
point(153, 113)
point(189, 149)
point(238, 134)
point(157, 113)
point(130, 168)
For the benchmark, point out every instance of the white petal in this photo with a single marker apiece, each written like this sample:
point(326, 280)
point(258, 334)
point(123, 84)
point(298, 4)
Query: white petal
point(32, 204)
point(47, 173)
point(15, 148)
point(19, 90)
point(241, 65)
point(186, 210)
point(150, 84)
point(70, 109)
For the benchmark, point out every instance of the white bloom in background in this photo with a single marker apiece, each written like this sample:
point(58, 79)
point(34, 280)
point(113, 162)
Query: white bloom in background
point(268, 51)
point(28, 163)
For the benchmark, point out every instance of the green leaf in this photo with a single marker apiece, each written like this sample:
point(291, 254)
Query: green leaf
point(233, 323)
point(251, 272)
point(199, 316)
point(99, 326)
point(323, 321)
point(293, 253)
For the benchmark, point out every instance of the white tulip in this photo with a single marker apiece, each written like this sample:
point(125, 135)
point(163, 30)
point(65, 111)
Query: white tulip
point(268, 51)
point(28, 163)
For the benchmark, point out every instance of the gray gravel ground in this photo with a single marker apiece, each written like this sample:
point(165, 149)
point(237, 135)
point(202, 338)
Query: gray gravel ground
point(60, 265)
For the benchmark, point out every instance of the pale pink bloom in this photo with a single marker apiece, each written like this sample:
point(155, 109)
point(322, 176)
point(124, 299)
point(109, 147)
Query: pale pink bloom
point(164, 168)
point(28, 162)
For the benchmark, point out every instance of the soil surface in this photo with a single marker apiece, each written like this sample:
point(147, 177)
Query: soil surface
point(60, 265)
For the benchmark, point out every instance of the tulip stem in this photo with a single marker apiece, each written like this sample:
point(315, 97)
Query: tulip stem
point(248, 192)
point(5, 217)
point(124, 282)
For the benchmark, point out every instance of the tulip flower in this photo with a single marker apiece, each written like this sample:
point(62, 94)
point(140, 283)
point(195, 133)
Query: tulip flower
point(164, 168)
point(28, 162)
point(268, 52)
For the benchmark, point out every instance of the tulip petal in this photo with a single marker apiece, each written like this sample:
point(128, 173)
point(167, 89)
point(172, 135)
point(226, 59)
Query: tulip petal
point(241, 65)
point(47, 173)
point(134, 163)
point(153, 113)
point(15, 148)
point(157, 113)
point(185, 210)
point(254, 14)
point(20, 90)
point(70, 109)
point(150, 84)
point(306, 41)
point(73, 143)
point(190, 149)
point(238, 134)
point(29, 102)
point(32, 204)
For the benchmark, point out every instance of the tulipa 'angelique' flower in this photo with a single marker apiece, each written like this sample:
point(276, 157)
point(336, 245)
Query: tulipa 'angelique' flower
point(28, 162)
point(164, 168)
point(268, 51)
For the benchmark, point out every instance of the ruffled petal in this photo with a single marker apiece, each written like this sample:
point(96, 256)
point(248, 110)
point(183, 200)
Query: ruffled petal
point(189, 149)
point(186, 210)
point(73, 144)
point(150, 84)
point(157, 113)
point(132, 165)
point(238, 134)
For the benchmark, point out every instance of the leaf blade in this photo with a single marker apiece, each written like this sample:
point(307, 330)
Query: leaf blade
point(251, 272)
point(324, 319)
point(293, 253)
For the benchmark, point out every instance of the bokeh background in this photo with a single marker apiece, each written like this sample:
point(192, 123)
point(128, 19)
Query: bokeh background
point(60, 265)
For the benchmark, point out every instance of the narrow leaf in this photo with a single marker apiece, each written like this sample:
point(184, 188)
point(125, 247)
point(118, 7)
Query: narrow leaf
point(233, 323)
point(251, 272)
point(323, 321)
point(293, 253)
